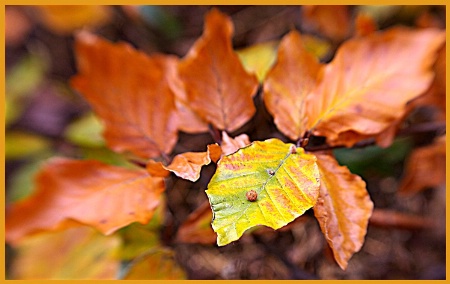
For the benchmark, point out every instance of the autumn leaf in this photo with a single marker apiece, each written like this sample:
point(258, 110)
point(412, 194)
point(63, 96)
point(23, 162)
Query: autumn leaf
point(368, 83)
point(158, 263)
point(425, 168)
point(75, 253)
point(197, 227)
point(343, 208)
point(364, 24)
point(332, 21)
point(70, 192)
point(292, 78)
point(230, 145)
point(266, 183)
point(65, 19)
point(217, 86)
point(186, 165)
point(129, 91)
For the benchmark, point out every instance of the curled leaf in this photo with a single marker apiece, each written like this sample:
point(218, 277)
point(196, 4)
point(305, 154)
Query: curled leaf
point(284, 178)
point(186, 165)
point(130, 92)
point(70, 192)
point(343, 208)
point(230, 145)
point(217, 86)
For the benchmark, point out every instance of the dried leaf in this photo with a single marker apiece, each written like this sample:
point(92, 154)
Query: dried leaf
point(343, 208)
point(75, 253)
point(186, 165)
point(129, 91)
point(64, 19)
point(368, 83)
point(266, 183)
point(217, 86)
point(197, 227)
point(158, 263)
point(230, 145)
point(70, 192)
point(332, 21)
point(288, 83)
point(425, 168)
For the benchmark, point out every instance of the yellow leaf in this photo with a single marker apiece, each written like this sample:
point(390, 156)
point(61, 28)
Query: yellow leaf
point(259, 58)
point(343, 208)
point(266, 183)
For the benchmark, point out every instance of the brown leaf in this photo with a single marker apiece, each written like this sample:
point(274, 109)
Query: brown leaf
point(230, 145)
point(186, 165)
point(75, 253)
point(287, 84)
point(197, 227)
point(367, 85)
point(343, 208)
point(425, 168)
point(129, 91)
point(217, 86)
point(332, 21)
point(70, 192)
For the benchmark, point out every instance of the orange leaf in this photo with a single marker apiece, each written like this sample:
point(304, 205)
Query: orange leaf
point(186, 165)
point(188, 120)
point(425, 168)
point(197, 227)
point(332, 21)
point(364, 25)
point(69, 192)
point(367, 85)
point(230, 145)
point(64, 19)
point(343, 208)
point(292, 78)
point(75, 253)
point(217, 86)
point(130, 92)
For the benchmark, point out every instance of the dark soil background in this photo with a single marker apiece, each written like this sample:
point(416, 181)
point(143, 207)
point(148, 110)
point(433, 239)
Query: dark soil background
point(298, 251)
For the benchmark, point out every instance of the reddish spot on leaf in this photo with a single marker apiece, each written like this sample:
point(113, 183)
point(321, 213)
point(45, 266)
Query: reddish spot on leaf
point(217, 86)
point(70, 192)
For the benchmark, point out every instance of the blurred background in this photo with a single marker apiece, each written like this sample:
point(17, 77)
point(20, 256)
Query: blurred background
point(44, 118)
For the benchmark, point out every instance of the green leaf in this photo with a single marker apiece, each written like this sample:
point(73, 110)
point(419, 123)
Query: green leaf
point(21, 145)
point(86, 131)
point(285, 179)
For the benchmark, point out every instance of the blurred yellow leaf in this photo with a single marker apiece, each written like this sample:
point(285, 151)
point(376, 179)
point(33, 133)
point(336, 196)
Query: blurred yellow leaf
point(75, 253)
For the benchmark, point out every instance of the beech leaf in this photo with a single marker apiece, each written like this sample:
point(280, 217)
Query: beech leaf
point(230, 145)
point(343, 208)
point(367, 85)
point(70, 192)
point(217, 86)
point(129, 91)
point(266, 183)
point(197, 227)
point(288, 83)
point(424, 168)
point(186, 165)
